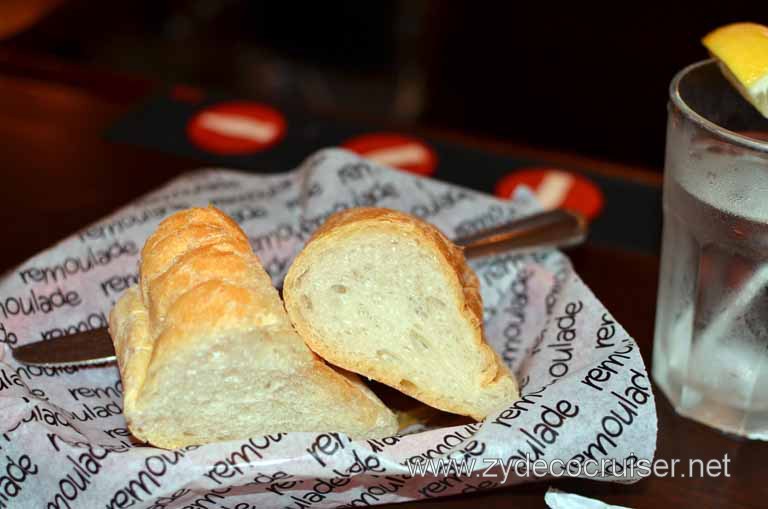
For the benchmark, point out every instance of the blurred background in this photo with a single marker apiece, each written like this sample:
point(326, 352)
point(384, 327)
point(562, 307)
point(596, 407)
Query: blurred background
point(577, 79)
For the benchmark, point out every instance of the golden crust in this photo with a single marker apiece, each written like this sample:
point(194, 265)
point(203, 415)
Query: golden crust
point(206, 263)
point(167, 250)
point(209, 216)
point(128, 326)
point(201, 283)
point(495, 377)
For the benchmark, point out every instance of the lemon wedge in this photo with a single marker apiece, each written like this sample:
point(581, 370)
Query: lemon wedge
point(742, 53)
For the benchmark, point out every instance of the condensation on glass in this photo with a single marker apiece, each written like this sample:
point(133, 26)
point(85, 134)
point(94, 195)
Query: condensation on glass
point(711, 340)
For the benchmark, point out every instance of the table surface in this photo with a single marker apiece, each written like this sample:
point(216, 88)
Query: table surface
point(58, 174)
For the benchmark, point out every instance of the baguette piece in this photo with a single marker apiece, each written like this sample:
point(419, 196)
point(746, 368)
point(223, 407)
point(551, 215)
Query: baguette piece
point(386, 295)
point(207, 353)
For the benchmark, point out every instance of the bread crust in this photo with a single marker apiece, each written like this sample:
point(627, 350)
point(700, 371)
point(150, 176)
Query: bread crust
point(200, 282)
point(494, 380)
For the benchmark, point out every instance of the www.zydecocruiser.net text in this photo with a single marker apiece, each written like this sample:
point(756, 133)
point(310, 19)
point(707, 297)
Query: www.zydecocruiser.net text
point(630, 467)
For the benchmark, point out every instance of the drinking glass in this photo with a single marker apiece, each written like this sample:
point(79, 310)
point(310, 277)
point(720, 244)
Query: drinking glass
point(710, 353)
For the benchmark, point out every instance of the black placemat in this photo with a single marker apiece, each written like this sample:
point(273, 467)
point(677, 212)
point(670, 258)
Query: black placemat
point(630, 218)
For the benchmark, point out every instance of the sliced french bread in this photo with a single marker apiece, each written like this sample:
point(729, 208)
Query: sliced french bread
point(386, 295)
point(207, 353)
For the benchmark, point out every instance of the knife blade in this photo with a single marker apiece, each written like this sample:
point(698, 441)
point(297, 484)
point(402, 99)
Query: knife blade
point(80, 349)
point(555, 228)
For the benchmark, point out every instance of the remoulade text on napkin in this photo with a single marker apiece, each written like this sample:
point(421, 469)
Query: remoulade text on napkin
point(586, 397)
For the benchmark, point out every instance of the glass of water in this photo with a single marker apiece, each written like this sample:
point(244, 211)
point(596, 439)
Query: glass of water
point(711, 340)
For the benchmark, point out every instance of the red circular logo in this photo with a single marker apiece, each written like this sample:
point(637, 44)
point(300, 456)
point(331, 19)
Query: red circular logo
point(395, 150)
point(555, 189)
point(236, 128)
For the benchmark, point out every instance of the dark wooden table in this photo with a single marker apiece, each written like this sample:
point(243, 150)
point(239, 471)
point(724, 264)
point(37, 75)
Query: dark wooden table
point(58, 174)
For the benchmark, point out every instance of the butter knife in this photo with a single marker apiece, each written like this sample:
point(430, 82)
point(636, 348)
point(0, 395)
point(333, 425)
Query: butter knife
point(556, 228)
